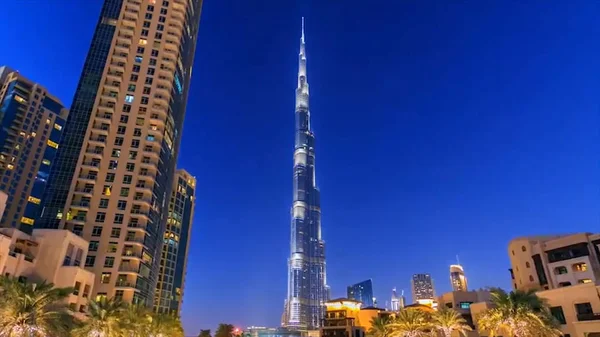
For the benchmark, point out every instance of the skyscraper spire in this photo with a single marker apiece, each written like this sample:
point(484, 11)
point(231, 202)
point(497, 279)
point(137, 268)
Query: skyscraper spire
point(303, 30)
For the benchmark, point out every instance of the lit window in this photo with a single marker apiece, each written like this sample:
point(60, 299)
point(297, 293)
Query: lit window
point(52, 144)
point(100, 297)
point(129, 99)
point(45, 162)
point(27, 221)
point(138, 59)
point(57, 127)
point(580, 267)
point(10, 166)
point(47, 121)
point(33, 200)
point(143, 42)
point(20, 99)
point(106, 277)
point(585, 280)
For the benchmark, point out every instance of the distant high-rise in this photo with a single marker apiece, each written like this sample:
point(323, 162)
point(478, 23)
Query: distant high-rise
point(307, 282)
point(362, 292)
point(458, 278)
point(171, 278)
point(31, 128)
point(395, 301)
point(422, 288)
point(113, 172)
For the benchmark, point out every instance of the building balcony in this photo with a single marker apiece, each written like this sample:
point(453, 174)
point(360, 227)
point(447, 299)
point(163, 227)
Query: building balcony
point(100, 130)
point(136, 241)
point(77, 220)
point(91, 165)
point(127, 268)
point(81, 205)
point(131, 254)
point(97, 141)
point(125, 284)
point(84, 191)
point(104, 117)
point(138, 226)
point(144, 189)
point(87, 178)
point(150, 165)
point(588, 317)
point(115, 75)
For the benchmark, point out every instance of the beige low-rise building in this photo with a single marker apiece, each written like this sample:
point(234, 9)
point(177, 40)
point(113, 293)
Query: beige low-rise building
point(566, 271)
point(54, 256)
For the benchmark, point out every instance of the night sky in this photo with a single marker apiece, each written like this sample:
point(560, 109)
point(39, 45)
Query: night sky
point(442, 130)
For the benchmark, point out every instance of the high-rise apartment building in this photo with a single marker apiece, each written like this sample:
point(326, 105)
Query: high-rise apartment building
point(307, 283)
point(422, 289)
point(112, 179)
point(31, 128)
point(458, 278)
point(171, 278)
point(363, 292)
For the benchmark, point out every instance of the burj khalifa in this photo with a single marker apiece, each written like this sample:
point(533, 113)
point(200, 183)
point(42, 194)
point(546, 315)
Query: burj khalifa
point(307, 289)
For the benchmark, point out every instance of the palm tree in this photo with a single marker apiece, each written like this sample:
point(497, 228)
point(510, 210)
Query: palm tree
point(447, 320)
point(33, 310)
point(380, 327)
point(135, 321)
point(102, 319)
point(519, 314)
point(410, 322)
point(165, 325)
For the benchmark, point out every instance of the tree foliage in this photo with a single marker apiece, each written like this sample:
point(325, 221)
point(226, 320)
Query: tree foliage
point(204, 333)
point(40, 310)
point(519, 314)
point(33, 310)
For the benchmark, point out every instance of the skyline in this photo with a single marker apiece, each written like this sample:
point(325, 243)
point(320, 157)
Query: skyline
point(528, 170)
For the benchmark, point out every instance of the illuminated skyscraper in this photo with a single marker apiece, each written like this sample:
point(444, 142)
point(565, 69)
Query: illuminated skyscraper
point(422, 289)
point(112, 178)
point(31, 128)
point(362, 292)
point(307, 290)
point(171, 278)
point(458, 278)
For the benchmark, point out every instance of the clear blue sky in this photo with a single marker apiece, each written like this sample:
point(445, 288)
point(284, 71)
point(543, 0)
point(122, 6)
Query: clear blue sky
point(441, 130)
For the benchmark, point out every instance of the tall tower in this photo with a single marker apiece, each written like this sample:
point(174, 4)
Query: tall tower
point(113, 172)
point(458, 278)
point(30, 133)
point(422, 289)
point(171, 279)
point(307, 290)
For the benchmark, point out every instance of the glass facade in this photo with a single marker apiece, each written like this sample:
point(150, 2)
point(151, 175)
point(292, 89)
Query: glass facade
point(362, 292)
point(307, 291)
point(114, 177)
point(171, 278)
point(32, 123)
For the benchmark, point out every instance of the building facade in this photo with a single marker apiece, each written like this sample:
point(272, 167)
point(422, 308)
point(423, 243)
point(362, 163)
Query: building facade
point(341, 319)
point(422, 289)
point(566, 271)
point(171, 278)
point(307, 290)
point(362, 292)
point(458, 278)
point(112, 179)
point(32, 122)
point(54, 256)
point(550, 262)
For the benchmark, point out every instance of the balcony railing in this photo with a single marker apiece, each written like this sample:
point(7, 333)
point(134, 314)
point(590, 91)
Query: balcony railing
point(588, 317)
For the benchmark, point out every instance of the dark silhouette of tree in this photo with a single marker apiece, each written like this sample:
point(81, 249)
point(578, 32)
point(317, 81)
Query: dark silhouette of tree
point(204, 333)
